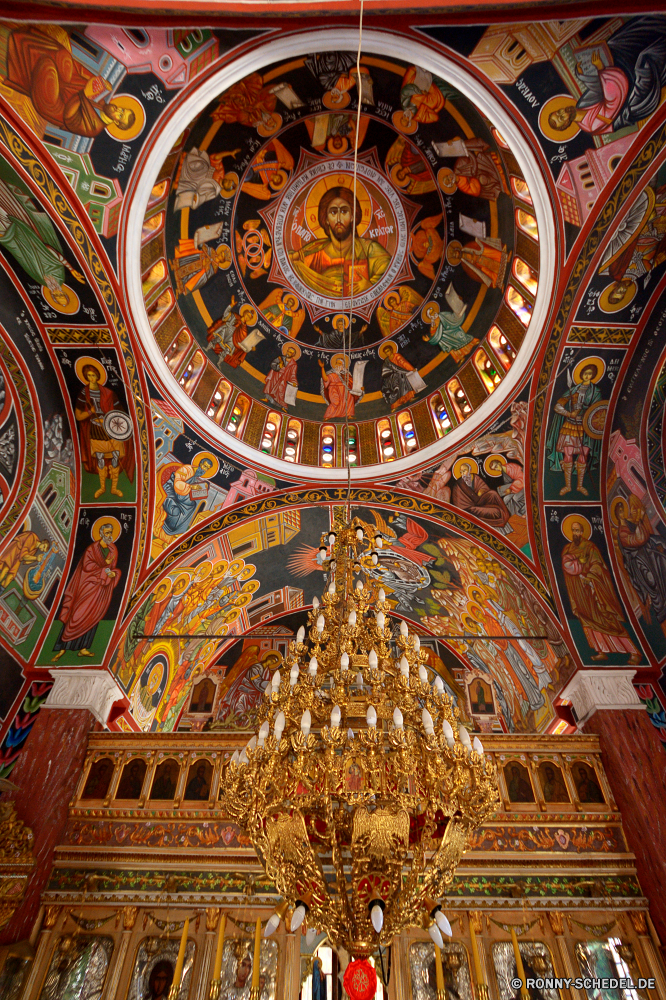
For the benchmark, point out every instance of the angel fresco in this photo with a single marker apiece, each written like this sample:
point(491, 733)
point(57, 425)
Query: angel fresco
point(29, 236)
point(397, 309)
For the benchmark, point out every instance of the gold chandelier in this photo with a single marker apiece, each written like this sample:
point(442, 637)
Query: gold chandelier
point(361, 787)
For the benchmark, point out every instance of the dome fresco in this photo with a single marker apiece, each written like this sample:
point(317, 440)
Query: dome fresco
point(247, 258)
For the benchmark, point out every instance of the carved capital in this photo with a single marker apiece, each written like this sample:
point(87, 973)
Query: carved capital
point(50, 916)
point(602, 690)
point(476, 921)
point(212, 918)
point(16, 839)
point(556, 920)
point(95, 690)
point(638, 921)
point(129, 917)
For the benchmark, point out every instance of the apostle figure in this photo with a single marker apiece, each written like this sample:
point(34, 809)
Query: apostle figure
point(30, 237)
point(92, 403)
point(644, 557)
point(474, 173)
point(421, 96)
point(283, 373)
point(568, 442)
point(554, 789)
point(587, 786)
point(180, 506)
point(240, 988)
point(518, 786)
point(88, 593)
point(512, 487)
point(591, 594)
point(202, 178)
point(195, 263)
point(625, 92)
point(396, 387)
point(446, 329)
point(40, 65)
point(159, 983)
point(336, 388)
point(325, 264)
point(470, 493)
point(485, 259)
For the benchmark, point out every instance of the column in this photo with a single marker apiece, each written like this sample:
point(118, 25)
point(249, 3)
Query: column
point(292, 965)
point(605, 702)
point(475, 918)
point(556, 921)
point(40, 963)
point(652, 964)
point(119, 952)
point(205, 969)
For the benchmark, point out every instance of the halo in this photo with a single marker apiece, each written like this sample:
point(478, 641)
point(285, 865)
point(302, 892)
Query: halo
point(615, 517)
point(290, 345)
point(453, 245)
point(333, 148)
point(340, 357)
point(250, 586)
point(392, 292)
point(72, 305)
point(127, 134)
point(343, 317)
point(476, 595)
point(443, 174)
point(569, 521)
point(235, 567)
point(475, 611)
point(384, 348)
point(231, 616)
point(212, 458)
point(396, 180)
point(403, 124)
point(247, 572)
point(610, 307)
point(252, 314)
point(233, 177)
point(554, 104)
point(319, 189)
point(468, 623)
point(223, 264)
point(488, 462)
point(184, 576)
point(428, 307)
point(271, 127)
point(241, 600)
point(83, 362)
point(203, 571)
point(220, 567)
point(335, 100)
point(278, 180)
point(591, 362)
point(472, 462)
point(97, 527)
point(166, 582)
point(290, 295)
point(158, 673)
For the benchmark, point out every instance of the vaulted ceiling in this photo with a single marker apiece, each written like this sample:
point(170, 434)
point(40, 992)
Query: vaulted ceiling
point(184, 371)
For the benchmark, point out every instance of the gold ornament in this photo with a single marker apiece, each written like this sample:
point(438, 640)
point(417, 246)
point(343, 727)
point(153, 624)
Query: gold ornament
point(361, 787)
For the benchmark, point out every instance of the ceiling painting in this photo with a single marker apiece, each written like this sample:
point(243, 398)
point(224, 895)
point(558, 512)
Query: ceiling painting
point(254, 233)
point(175, 275)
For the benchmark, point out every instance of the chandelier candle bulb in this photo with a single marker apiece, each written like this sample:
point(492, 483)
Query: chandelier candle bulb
point(372, 659)
point(312, 667)
point(277, 680)
point(300, 635)
point(272, 924)
point(428, 724)
point(374, 558)
point(243, 759)
point(306, 722)
point(344, 661)
point(371, 716)
point(310, 936)
point(359, 584)
point(352, 617)
point(423, 674)
point(263, 733)
point(439, 685)
point(417, 643)
point(404, 667)
point(381, 596)
point(477, 744)
point(359, 534)
point(234, 757)
point(331, 589)
point(377, 917)
point(379, 541)
point(404, 630)
point(336, 716)
point(443, 923)
point(435, 935)
point(331, 538)
point(293, 676)
point(315, 603)
point(321, 622)
point(350, 734)
point(397, 718)
point(359, 679)
point(464, 737)
point(298, 917)
point(380, 619)
point(252, 744)
point(279, 724)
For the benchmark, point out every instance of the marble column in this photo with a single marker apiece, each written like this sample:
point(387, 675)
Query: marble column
point(117, 962)
point(564, 953)
point(605, 702)
point(205, 970)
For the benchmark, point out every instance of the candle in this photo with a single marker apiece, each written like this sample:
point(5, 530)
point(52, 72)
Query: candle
point(520, 969)
point(217, 969)
point(257, 954)
point(180, 961)
point(475, 955)
point(439, 972)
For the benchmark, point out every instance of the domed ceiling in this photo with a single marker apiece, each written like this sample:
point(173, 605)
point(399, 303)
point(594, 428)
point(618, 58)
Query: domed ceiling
point(252, 233)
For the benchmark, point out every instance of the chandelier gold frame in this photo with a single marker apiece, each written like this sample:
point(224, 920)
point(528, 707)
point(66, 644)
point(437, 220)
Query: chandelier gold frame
point(361, 787)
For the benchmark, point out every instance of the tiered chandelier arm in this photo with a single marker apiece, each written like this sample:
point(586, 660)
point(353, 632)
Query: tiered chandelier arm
point(361, 787)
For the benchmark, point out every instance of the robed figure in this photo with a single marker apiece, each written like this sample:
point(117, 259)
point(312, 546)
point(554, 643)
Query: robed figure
point(472, 494)
point(592, 597)
point(644, 557)
point(88, 595)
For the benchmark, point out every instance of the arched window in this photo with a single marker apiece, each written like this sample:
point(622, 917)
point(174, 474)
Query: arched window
point(152, 226)
point(519, 305)
point(158, 311)
point(269, 441)
point(156, 274)
point(292, 441)
point(487, 369)
point(520, 189)
point(458, 397)
point(502, 349)
point(407, 432)
point(218, 401)
point(525, 275)
point(386, 441)
point(178, 350)
point(327, 447)
point(527, 223)
point(192, 372)
point(238, 415)
point(441, 414)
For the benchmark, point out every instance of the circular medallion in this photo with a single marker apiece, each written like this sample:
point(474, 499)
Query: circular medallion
point(117, 425)
point(294, 230)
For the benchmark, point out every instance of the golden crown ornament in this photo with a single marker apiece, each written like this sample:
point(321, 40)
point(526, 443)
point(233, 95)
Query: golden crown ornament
point(361, 787)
